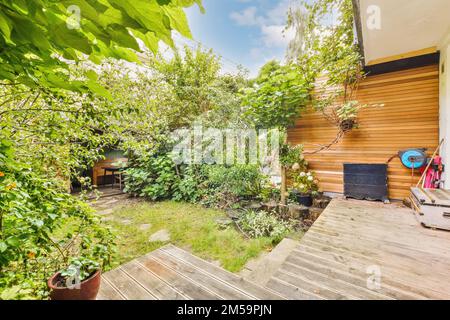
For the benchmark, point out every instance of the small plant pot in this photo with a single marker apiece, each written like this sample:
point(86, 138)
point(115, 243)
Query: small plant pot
point(87, 290)
point(305, 200)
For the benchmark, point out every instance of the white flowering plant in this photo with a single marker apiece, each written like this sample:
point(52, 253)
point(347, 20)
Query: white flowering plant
point(306, 183)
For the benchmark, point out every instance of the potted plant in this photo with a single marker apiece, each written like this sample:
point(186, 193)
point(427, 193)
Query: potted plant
point(305, 186)
point(82, 255)
point(79, 281)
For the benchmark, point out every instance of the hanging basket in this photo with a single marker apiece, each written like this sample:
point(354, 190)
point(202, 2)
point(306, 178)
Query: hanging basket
point(347, 125)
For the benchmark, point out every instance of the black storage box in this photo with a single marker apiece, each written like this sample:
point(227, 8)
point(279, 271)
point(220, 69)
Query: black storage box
point(366, 181)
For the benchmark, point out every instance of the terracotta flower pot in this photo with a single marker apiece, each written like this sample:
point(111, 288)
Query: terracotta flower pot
point(87, 290)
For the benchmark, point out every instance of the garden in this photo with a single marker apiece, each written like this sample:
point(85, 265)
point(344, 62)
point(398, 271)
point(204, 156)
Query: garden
point(71, 90)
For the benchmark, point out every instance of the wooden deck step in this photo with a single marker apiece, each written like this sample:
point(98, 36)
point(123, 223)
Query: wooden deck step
point(262, 269)
point(171, 273)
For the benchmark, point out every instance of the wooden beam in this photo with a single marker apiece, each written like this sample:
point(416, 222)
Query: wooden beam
point(406, 55)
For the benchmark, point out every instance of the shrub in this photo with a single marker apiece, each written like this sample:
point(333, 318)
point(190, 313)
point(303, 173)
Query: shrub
point(270, 192)
point(259, 224)
point(240, 181)
point(153, 177)
point(158, 178)
point(189, 187)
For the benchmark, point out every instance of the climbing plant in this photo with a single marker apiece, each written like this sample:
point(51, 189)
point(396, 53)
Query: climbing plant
point(326, 46)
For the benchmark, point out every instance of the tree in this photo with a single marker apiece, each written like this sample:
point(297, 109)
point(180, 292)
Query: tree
point(278, 96)
point(38, 39)
point(190, 75)
point(276, 100)
point(56, 117)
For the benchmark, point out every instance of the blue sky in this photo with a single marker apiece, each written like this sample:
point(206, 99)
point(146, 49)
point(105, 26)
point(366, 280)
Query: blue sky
point(247, 32)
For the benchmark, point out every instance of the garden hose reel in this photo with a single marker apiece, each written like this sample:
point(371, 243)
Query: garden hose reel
point(413, 158)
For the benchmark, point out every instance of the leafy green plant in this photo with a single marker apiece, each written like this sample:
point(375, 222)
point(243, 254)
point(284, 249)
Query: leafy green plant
point(226, 185)
point(278, 96)
point(292, 157)
point(259, 224)
point(189, 187)
point(153, 177)
point(32, 210)
point(328, 50)
point(270, 192)
point(35, 34)
point(81, 268)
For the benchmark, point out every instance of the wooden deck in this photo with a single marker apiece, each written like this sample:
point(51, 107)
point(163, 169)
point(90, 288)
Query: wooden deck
point(174, 274)
point(351, 244)
point(354, 239)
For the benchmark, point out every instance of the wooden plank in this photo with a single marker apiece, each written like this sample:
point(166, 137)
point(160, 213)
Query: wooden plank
point(223, 275)
point(338, 284)
point(402, 274)
point(108, 292)
point(394, 243)
point(200, 278)
point(290, 291)
point(128, 287)
point(312, 288)
point(355, 267)
point(334, 269)
point(405, 55)
point(175, 280)
point(157, 287)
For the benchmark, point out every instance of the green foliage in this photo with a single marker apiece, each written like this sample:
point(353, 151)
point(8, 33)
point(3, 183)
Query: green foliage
point(262, 224)
point(154, 177)
point(80, 267)
point(239, 181)
point(292, 157)
point(190, 185)
point(190, 75)
point(32, 208)
point(270, 192)
point(35, 35)
point(329, 49)
point(277, 97)
point(158, 178)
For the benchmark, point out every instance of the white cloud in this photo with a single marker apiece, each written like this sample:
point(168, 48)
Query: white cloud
point(277, 36)
point(271, 24)
point(247, 17)
point(273, 38)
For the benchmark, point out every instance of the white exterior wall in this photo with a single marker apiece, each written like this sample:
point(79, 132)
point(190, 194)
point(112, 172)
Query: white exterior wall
point(444, 100)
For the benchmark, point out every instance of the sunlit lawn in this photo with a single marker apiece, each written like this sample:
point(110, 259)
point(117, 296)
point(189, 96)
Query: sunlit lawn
point(191, 227)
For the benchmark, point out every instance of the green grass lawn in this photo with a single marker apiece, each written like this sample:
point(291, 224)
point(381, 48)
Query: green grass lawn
point(191, 227)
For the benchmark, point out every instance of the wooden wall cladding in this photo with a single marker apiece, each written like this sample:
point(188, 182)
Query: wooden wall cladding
point(409, 119)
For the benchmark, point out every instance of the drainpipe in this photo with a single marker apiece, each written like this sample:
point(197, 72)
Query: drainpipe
point(444, 106)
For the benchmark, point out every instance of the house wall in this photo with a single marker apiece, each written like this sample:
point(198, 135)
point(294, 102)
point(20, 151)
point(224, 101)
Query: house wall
point(444, 101)
point(409, 119)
